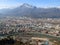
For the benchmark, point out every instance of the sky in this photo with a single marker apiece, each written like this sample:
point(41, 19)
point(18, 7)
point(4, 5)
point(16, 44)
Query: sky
point(38, 3)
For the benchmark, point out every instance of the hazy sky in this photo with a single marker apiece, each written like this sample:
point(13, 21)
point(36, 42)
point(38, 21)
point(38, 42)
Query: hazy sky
point(38, 3)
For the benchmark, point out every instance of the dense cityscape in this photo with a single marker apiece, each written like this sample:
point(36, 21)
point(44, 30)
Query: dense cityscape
point(42, 31)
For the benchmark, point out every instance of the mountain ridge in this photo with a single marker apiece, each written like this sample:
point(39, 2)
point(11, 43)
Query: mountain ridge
point(32, 11)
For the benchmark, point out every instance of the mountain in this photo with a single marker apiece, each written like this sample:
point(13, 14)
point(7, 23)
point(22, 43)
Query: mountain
point(32, 11)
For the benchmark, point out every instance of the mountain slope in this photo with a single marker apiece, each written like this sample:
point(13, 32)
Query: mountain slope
point(32, 11)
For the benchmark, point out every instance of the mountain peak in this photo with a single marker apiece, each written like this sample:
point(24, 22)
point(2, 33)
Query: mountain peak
point(27, 5)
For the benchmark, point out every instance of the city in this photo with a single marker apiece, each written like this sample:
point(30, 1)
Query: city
point(44, 29)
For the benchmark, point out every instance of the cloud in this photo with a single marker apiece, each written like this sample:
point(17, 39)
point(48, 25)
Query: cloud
point(9, 5)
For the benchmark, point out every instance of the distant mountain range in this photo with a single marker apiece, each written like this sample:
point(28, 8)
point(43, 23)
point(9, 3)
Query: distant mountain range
point(31, 11)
